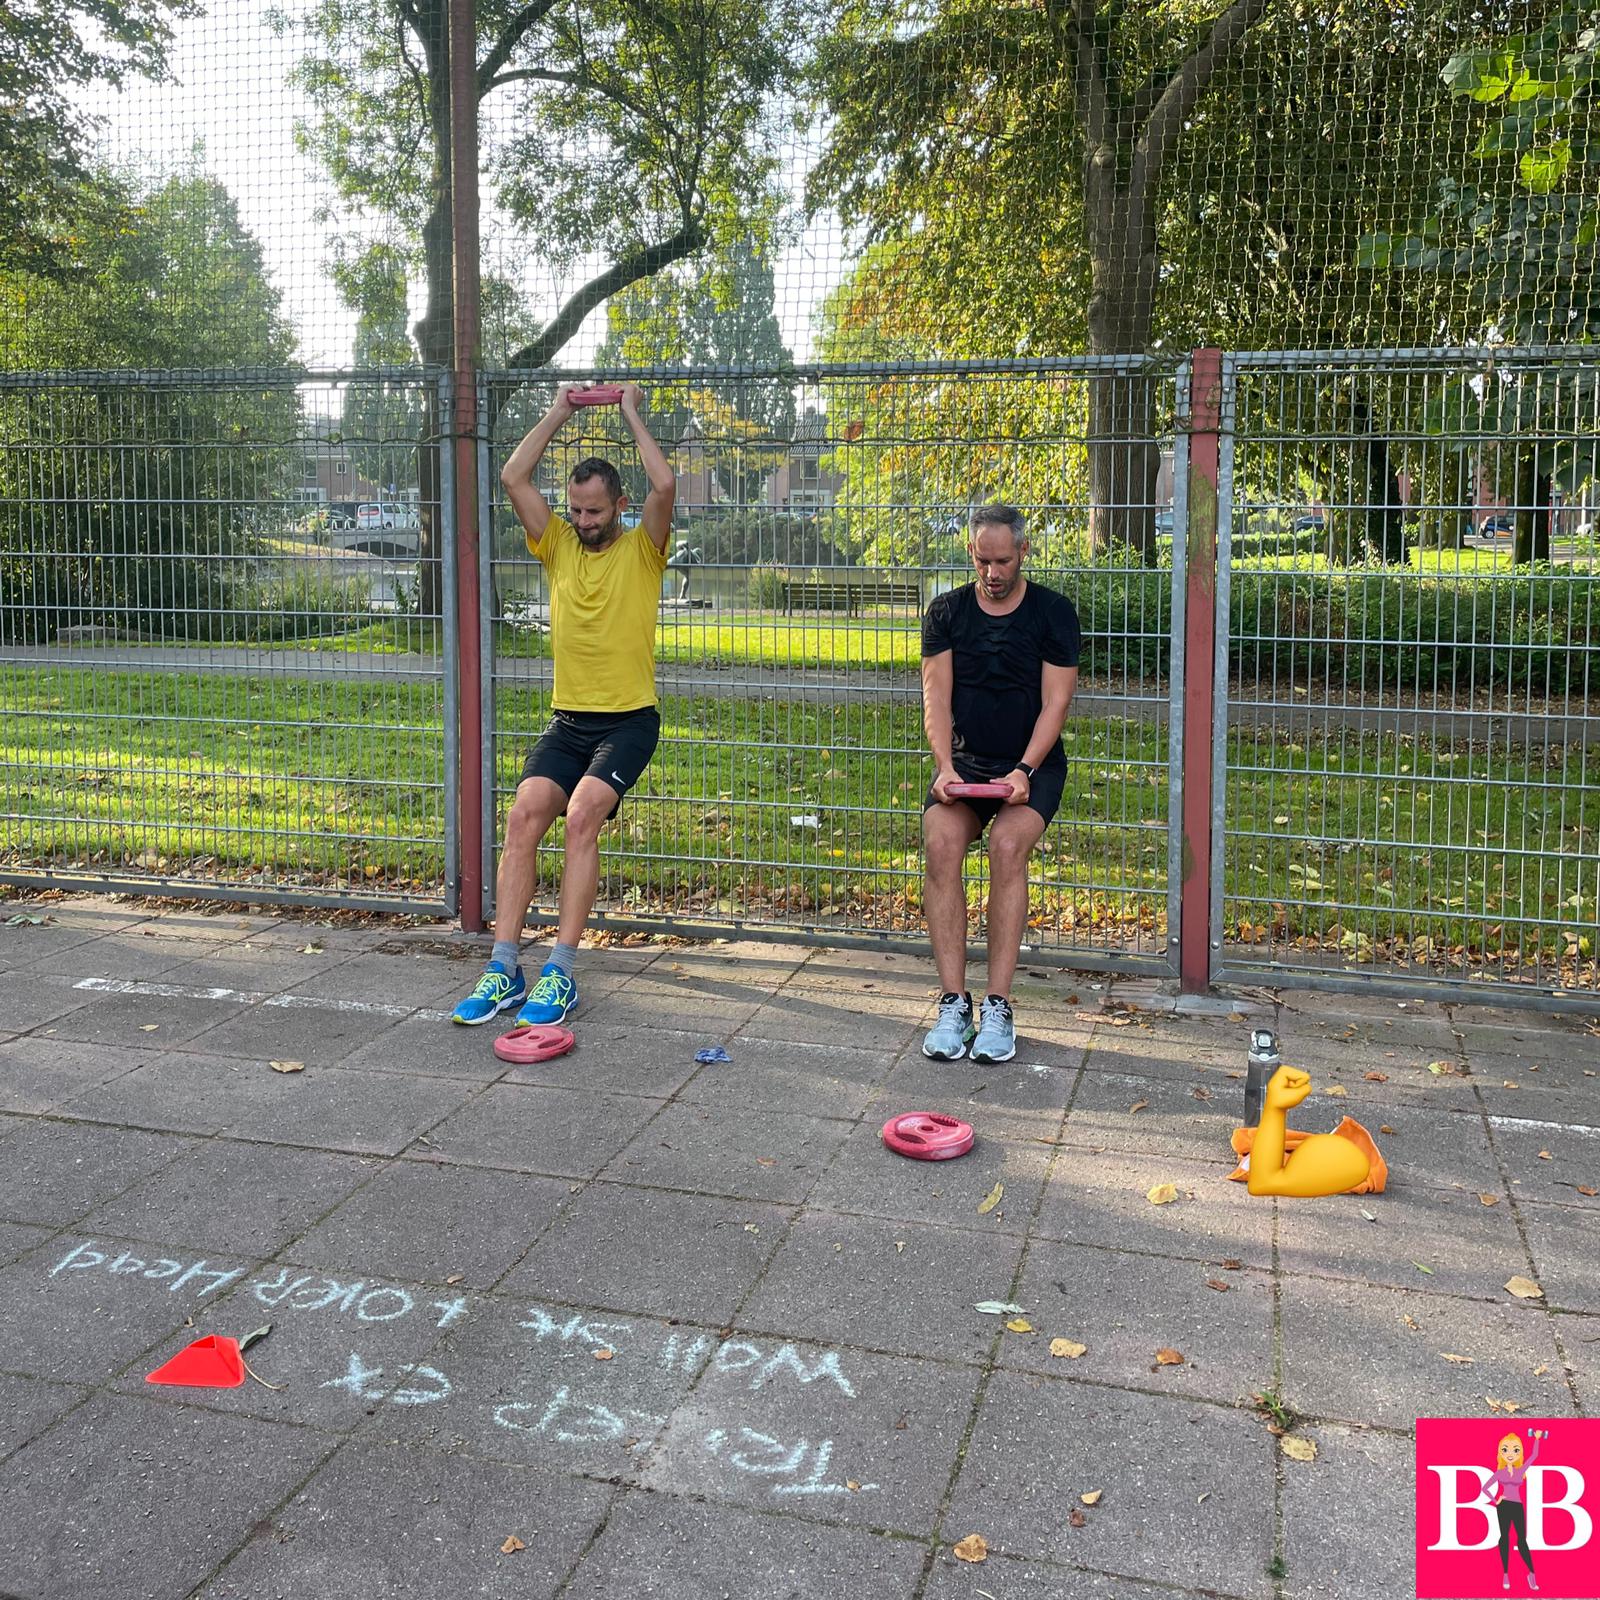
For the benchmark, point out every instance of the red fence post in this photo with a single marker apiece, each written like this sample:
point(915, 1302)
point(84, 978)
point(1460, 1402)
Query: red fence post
point(464, 271)
point(1200, 637)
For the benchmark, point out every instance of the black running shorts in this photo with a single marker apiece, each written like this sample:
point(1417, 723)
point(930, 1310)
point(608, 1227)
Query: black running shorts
point(614, 746)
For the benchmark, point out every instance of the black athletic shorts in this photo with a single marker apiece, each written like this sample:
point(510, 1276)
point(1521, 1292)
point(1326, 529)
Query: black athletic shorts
point(1044, 792)
point(614, 746)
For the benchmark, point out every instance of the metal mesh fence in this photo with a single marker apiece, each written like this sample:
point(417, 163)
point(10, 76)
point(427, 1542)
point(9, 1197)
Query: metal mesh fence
point(1407, 773)
point(221, 636)
point(761, 181)
point(787, 792)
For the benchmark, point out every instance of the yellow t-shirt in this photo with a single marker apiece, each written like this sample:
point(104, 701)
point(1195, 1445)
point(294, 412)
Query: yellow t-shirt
point(603, 610)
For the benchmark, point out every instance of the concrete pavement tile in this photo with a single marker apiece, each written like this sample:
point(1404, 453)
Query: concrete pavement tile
point(1526, 1097)
point(1523, 1019)
point(428, 1221)
point(1467, 1247)
point(141, 1498)
point(136, 954)
point(429, 1046)
point(142, 1018)
point(1400, 1373)
point(384, 1523)
point(29, 1000)
point(1348, 1527)
point(789, 1075)
point(1566, 1254)
point(1406, 1086)
point(228, 1196)
point(761, 966)
point(37, 1073)
point(525, 1385)
point(1155, 1046)
point(713, 1151)
point(17, 1239)
point(340, 1346)
point(50, 943)
point(813, 1288)
point(370, 1113)
point(630, 1056)
point(652, 1252)
point(1009, 1578)
point(79, 1310)
point(1342, 1006)
point(263, 969)
point(790, 1427)
point(57, 1171)
point(1413, 1038)
point(320, 1035)
point(657, 1548)
point(1574, 1154)
point(1125, 1307)
point(971, 1090)
point(820, 1017)
point(871, 1180)
point(1424, 1149)
point(1192, 1118)
point(1101, 1199)
point(532, 1128)
point(1580, 1337)
point(1040, 1443)
point(175, 1093)
point(28, 1406)
point(396, 980)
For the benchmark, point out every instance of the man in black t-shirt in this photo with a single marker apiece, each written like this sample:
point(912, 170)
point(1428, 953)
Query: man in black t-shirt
point(999, 665)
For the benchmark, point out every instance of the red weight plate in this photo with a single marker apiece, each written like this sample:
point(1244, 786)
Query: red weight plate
point(533, 1042)
point(978, 791)
point(607, 395)
point(927, 1136)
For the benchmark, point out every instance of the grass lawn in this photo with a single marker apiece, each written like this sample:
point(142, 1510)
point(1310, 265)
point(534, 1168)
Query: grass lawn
point(772, 809)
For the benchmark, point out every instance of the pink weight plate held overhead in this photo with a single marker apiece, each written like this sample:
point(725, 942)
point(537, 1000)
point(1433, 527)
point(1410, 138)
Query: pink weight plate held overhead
point(927, 1136)
point(603, 395)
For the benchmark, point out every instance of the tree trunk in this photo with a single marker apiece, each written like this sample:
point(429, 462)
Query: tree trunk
point(1532, 509)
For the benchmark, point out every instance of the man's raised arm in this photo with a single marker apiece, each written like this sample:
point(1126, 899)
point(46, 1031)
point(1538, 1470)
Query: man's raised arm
point(531, 507)
point(658, 503)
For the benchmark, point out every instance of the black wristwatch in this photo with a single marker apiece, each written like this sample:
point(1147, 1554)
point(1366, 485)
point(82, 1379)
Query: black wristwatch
point(1026, 771)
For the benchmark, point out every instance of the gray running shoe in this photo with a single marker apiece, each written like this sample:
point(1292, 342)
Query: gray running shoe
point(948, 1038)
point(997, 1031)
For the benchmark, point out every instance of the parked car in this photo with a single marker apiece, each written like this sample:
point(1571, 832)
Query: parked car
point(1309, 522)
point(1494, 533)
point(373, 516)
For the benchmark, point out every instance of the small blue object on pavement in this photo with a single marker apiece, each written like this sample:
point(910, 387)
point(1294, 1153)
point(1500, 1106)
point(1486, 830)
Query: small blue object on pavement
point(709, 1057)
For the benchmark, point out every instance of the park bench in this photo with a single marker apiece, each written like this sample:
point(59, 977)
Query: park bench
point(850, 597)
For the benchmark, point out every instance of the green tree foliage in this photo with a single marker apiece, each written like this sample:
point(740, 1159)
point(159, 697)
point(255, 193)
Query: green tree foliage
point(132, 505)
point(50, 51)
point(380, 423)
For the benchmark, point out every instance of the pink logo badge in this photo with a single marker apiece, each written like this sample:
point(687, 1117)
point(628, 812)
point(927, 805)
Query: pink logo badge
point(1508, 1506)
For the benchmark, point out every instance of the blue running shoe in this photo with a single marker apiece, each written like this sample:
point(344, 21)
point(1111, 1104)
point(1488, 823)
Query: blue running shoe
point(497, 991)
point(553, 998)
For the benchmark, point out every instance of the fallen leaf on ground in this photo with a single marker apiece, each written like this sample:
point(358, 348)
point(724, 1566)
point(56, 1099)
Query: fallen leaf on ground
point(1138, 1105)
point(1508, 1084)
point(1524, 1288)
point(1019, 1325)
point(316, 950)
point(1383, 1127)
point(1218, 1285)
point(1420, 1268)
point(899, 1245)
point(1584, 1188)
point(998, 1308)
point(1166, 1356)
point(1412, 1324)
point(1544, 1155)
point(1200, 1092)
point(287, 1066)
point(1232, 1264)
point(1539, 1372)
point(1077, 1519)
point(512, 1545)
point(1070, 1348)
point(991, 1200)
point(851, 1484)
point(455, 1277)
point(1367, 1214)
point(1163, 1194)
point(1442, 1069)
point(1092, 1497)
point(1376, 1077)
point(766, 1161)
point(973, 1548)
point(1460, 1361)
point(1488, 1199)
point(1297, 1449)
point(1337, 1090)
point(604, 1355)
point(1506, 1406)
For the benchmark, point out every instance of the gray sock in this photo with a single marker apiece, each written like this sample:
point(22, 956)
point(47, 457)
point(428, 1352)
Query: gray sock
point(505, 952)
point(563, 956)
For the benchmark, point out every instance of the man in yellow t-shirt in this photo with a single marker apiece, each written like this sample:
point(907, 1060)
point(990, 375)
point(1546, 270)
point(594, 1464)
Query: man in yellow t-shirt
point(604, 582)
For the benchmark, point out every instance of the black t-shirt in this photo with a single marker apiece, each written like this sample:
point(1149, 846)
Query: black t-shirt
point(997, 691)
